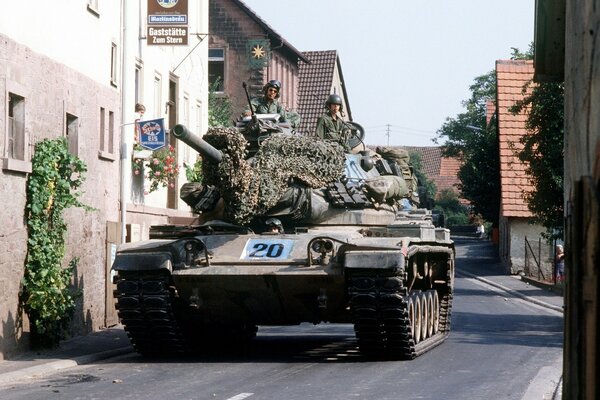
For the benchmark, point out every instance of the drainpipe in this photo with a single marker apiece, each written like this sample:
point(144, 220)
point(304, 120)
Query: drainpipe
point(123, 143)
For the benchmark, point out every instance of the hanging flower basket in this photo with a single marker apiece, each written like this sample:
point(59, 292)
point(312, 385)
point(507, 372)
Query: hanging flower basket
point(160, 167)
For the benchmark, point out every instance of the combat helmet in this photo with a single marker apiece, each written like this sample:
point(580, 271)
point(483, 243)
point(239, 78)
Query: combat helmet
point(334, 99)
point(273, 83)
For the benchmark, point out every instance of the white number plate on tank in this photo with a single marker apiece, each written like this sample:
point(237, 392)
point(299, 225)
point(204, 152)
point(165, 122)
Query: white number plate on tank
point(267, 249)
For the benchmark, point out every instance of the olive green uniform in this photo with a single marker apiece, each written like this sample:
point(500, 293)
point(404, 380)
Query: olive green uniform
point(333, 129)
point(261, 106)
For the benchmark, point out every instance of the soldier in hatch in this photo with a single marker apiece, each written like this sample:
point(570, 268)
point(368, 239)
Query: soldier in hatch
point(269, 104)
point(331, 126)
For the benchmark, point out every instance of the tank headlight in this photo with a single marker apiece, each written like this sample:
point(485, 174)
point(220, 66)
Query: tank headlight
point(322, 246)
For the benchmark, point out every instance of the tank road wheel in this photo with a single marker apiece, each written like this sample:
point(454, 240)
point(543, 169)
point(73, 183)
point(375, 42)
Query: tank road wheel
point(418, 318)
point(424, 316)
point(411, 315)
point(430, 313)
point(435, 299)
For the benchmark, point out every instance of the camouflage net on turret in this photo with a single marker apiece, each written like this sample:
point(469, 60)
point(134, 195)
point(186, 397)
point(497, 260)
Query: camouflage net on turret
point(251, 190)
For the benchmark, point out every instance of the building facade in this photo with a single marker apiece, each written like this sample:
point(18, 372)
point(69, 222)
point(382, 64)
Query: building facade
point(519, 240)
point(244, 48)
point(76, 70)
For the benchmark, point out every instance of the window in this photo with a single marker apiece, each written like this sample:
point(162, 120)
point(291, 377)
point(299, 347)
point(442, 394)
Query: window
point(107, 135)
point(198, 116)
point(139, 80)
point(111, 132)
point(157, 96)
point(216, 69)
point(15, 145)
point(15, 154)
point(72, 133)
point(102, 129)
point(186, 110)
point(113, 64)
point(92, 7)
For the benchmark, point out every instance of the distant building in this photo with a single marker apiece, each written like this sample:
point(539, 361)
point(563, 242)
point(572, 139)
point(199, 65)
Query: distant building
point(244, 48)
point(517, 236)
point(320, 77)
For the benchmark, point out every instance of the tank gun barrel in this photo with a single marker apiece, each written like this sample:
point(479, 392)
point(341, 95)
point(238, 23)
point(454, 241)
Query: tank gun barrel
point(182, 133)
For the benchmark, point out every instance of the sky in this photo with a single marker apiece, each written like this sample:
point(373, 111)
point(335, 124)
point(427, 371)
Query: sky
point(407, 64)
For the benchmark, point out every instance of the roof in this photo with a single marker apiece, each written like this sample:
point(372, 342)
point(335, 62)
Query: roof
point(273, 35)
point(511, 75)
point(443, 171)
point(316, 78)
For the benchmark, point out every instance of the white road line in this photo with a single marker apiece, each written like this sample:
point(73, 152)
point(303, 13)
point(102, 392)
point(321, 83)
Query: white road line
point(241, 396)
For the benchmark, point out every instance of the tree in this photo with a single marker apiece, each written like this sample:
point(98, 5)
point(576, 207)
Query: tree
point(475, 142)
point(542, 153)
point(219, 107)
point(455, 213)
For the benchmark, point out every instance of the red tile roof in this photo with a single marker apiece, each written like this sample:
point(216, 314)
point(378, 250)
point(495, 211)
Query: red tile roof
point(443, 171)
point(511, 75)
point(315, 81)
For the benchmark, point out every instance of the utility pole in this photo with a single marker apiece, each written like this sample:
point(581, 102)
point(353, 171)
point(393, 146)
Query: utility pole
point(388, 134)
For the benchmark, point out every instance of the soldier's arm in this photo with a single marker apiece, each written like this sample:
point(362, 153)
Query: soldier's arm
point(320, 131)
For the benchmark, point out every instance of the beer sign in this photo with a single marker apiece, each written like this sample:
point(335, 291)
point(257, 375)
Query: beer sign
point(167, 22)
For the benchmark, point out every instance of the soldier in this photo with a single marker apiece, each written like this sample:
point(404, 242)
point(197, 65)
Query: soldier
point(331, 126)
point(269, 104)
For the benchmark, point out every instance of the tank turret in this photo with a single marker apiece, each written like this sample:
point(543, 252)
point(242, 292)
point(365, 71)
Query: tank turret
point(299, 179)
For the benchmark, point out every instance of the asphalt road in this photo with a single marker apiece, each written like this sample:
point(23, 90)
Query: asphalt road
point(498, 346)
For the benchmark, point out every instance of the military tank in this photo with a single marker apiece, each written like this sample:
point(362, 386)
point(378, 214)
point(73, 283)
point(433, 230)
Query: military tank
point(296, 232)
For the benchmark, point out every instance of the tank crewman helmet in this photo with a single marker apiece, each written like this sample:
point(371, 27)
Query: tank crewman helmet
point(273, 83)
point(334, 99)
point(274, 223)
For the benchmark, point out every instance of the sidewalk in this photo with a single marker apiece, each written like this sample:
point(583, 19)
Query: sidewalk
point(478, 259)
point(79, 350)
point(475, 259)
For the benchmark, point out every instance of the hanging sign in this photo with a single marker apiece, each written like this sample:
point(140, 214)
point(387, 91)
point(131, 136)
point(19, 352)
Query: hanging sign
point(167, 22)
point(152, 134)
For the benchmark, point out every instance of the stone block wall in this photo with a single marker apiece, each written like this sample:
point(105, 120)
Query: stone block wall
point(51, 90)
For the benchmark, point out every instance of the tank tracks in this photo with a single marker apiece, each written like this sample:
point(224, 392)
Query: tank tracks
point(145, 308)
point(383, 313)
point(389, 322)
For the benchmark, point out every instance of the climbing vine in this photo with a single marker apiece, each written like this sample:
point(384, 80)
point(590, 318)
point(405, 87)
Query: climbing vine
point(52, 186)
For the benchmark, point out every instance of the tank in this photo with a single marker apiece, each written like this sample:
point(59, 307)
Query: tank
point(294, 231)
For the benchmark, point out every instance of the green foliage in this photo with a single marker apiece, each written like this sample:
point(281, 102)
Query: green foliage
point(161, 170)
point(542, 153)
point(427, 188)
point(455, 213)
point(193, 173)
point(219, 107)
point(469, 138)
point(52, 187)
point(518, 55)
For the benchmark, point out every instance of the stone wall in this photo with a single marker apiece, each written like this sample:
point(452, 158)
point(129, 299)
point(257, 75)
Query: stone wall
point(51, 90)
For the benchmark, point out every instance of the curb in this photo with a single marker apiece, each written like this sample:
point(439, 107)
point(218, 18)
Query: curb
point(52, 366)
point(513, 292)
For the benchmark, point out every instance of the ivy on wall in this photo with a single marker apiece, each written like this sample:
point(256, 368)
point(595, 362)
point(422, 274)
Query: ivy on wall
point(52, 186)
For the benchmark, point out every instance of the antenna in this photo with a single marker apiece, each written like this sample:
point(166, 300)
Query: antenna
point(388, 134)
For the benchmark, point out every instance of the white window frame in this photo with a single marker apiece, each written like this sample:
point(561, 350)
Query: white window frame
point(22, 163)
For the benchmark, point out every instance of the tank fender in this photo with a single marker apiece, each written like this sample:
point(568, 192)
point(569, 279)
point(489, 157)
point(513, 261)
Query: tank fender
point(147, 261)
point(374, 259)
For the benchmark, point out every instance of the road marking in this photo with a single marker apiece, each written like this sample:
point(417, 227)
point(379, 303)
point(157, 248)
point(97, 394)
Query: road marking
point(241, 396)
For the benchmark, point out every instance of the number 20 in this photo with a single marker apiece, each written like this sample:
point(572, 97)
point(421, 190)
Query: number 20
point(261, 250)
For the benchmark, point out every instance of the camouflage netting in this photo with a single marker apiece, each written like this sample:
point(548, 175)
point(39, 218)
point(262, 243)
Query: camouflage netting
point(251, 190)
